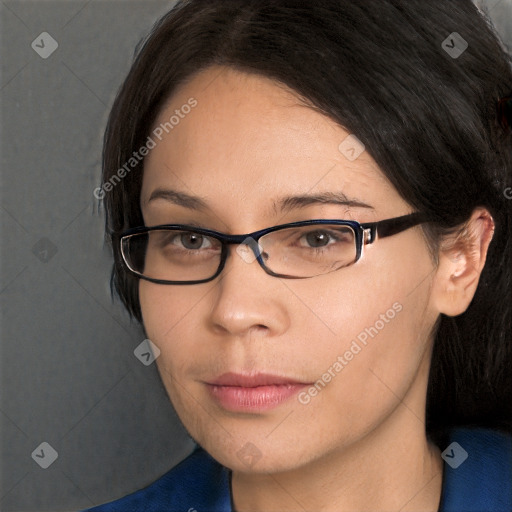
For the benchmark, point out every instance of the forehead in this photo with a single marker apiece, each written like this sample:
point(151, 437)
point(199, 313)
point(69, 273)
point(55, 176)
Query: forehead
point(249, 139)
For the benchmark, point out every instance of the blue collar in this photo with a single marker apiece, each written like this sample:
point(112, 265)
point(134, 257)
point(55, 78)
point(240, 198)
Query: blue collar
point(480, 482)
point(483, 481)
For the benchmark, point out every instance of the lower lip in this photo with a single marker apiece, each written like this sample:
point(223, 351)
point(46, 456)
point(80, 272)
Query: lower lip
point(260, 398)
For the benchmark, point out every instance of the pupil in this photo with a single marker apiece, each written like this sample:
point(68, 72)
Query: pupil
point(316, 239)
point(191, 240)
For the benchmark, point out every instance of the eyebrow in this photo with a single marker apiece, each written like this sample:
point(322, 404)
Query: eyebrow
point(288, 203)
point(179, 198)
point(281, 205)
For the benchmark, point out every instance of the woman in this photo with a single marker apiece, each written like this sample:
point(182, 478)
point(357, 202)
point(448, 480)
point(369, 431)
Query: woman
point(353, 356)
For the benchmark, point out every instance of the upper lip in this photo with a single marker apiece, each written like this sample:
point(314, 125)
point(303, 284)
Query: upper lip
point(252, 381)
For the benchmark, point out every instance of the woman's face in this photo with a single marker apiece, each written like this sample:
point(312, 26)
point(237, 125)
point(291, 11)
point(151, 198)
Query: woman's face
point(362, 333)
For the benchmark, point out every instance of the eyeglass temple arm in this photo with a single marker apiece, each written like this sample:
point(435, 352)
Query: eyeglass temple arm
point(391, 227)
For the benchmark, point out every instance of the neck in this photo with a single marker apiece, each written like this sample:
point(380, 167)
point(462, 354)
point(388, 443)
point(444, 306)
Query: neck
point(379, 473)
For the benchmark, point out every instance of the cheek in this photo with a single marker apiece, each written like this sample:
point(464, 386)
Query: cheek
point(366, 296)
point(164, 307)
point(165, 311)
point(377, 323)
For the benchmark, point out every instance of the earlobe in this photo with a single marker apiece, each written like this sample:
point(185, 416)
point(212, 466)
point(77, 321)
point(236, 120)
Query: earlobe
point(461, 261)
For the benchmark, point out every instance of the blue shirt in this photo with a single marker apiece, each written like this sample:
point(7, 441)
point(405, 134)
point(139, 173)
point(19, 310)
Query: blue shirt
point(482, 482)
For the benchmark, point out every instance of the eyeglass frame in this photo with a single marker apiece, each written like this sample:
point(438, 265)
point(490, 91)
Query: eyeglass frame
point(365, 234)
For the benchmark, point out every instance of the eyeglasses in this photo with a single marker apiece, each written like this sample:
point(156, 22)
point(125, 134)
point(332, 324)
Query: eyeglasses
point(184, 254)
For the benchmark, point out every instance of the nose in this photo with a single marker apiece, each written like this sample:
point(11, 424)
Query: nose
point(247, 299)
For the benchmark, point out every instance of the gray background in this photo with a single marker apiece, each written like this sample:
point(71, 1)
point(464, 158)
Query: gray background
point(68, 373)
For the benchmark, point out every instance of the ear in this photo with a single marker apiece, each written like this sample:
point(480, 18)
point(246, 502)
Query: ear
point(461, 260)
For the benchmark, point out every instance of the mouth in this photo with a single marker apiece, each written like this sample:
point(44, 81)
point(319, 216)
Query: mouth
point(252, 393)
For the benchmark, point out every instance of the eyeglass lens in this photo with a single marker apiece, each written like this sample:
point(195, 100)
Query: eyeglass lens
point(304, 251)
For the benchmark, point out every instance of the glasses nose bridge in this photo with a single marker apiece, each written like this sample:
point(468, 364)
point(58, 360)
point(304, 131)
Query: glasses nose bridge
point(250, 240)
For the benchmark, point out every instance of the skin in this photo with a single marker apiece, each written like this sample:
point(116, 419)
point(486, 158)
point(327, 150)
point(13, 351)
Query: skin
point(359, 444)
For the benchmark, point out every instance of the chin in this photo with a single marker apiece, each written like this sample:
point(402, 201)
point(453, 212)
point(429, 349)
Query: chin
point(249, 459)
point(256, 454)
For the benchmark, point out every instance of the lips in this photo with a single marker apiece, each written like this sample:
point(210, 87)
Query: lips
point(252, 381)
point(252, 393)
